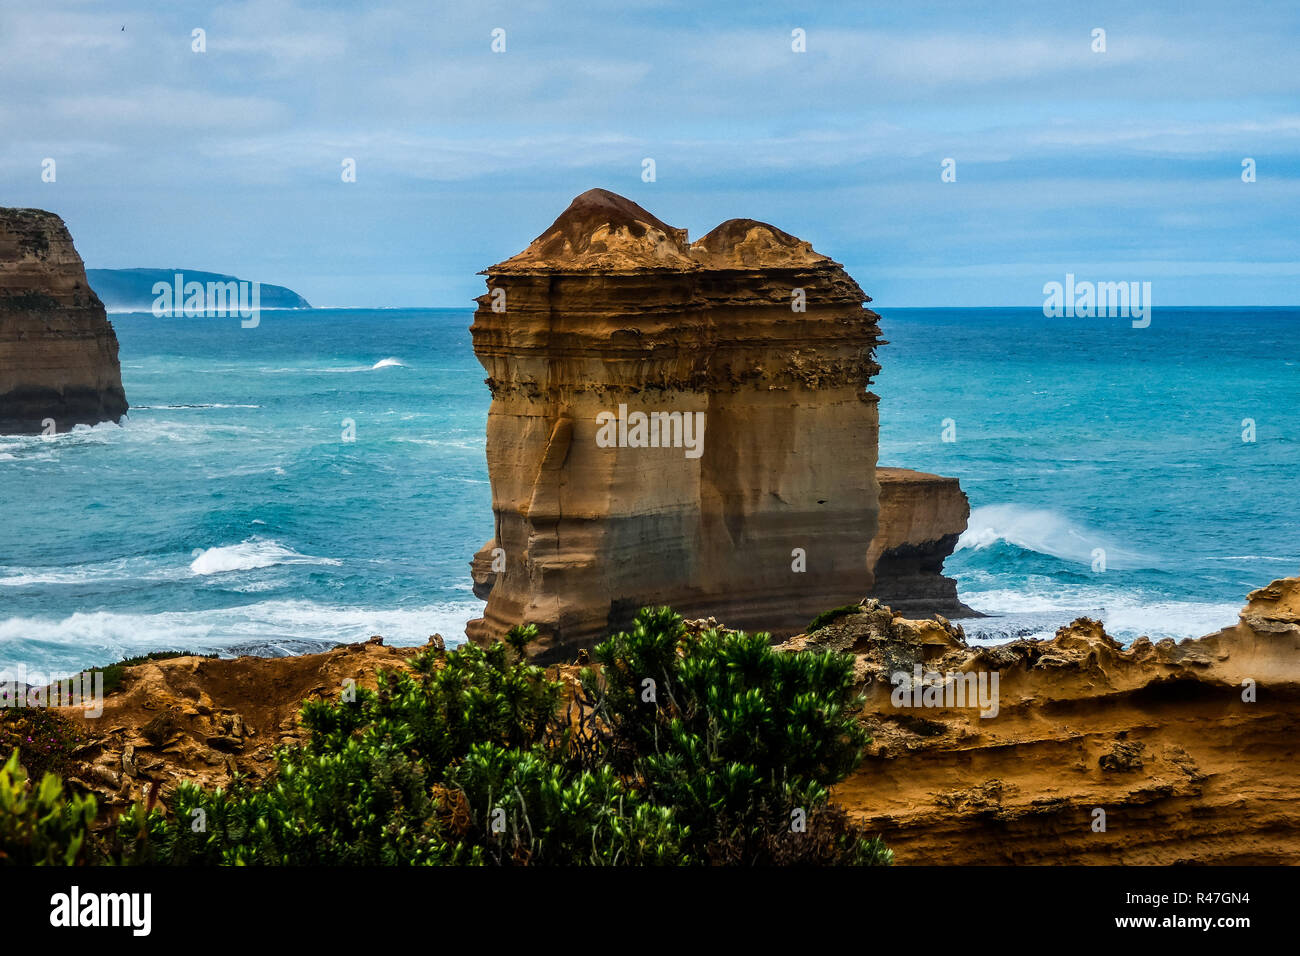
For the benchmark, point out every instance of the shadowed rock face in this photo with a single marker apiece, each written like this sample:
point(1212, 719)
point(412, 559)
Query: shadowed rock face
point(612, 307)
point(58, 352)
point(921, 518)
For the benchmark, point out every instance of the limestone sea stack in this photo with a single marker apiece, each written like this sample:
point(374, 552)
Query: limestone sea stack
point(673, 423)
point(58, 352)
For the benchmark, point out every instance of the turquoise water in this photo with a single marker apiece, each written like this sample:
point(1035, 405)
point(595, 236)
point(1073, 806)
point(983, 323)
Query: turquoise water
point(228, 513)
point(1074, 435)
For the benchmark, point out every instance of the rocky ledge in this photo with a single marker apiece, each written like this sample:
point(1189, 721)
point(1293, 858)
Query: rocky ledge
point(206, 720)
point(58, 352)
point(1091, 752)
point(921, 518)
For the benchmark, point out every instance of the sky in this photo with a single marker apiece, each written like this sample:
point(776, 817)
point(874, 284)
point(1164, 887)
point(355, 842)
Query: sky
point(1122, 165)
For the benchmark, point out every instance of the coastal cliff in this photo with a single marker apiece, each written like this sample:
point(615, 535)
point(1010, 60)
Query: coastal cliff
point(58, 352)
point(673, 423)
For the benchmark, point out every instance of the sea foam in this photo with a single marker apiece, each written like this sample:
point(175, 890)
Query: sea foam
point(64, 645)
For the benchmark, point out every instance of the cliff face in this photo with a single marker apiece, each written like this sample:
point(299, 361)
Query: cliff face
point(58, 352)
point(921, 518)
point(759, 501)
point(1187, 749)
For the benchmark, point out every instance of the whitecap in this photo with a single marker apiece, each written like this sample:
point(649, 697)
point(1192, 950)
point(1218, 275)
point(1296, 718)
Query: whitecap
point(249, 555)
point(1254, 557)
point(1036, 611)
point(144, 568)
point(202, 406)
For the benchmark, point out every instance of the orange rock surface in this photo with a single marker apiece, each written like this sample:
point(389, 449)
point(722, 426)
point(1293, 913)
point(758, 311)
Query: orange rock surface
point(1189, 749)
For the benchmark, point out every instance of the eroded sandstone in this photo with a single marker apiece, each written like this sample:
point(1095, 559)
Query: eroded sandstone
point(1188, 749)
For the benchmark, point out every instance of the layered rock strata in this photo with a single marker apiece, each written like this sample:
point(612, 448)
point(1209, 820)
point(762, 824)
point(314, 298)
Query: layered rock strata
point(1187, 748)
point(921, 518)
point(748, 489)
point(58, 352)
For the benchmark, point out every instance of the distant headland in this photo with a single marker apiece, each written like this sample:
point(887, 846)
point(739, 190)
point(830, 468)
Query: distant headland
point(132, 290)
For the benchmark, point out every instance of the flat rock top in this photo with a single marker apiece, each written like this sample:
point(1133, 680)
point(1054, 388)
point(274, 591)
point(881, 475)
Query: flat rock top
point(31, 230)
point(27, 233)
point(10, 215)
point(37, 257)
point(906, 476)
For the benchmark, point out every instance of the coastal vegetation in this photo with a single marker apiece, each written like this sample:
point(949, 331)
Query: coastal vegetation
point(670, 747)
point(831, 616)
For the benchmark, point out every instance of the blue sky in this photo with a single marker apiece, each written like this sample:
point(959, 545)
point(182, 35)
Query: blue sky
point(1122, 165)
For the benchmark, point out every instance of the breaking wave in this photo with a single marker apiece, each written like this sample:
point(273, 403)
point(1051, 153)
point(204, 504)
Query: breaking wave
point(1037, 612)
point(249, 555)
point(1041, 531)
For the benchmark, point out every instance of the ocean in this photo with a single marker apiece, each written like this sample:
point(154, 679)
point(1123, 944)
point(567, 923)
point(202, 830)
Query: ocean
point(231, 513)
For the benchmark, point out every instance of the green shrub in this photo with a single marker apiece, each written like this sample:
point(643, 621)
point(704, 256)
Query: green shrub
point(447, 763)
point(741, 741)
point(38, 825)
point(359, 805)
point(551, 815)
point(469, 758)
